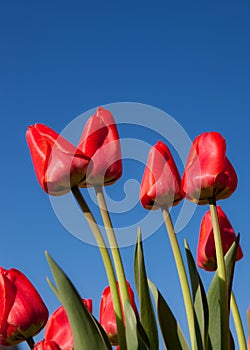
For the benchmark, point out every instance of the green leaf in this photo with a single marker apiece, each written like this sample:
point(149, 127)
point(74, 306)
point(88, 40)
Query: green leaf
point(87, 333)
point(131, 326)
point(213, 298)
point(134, 331)
point(147, 314)
point(171, 332)
point(199, 301)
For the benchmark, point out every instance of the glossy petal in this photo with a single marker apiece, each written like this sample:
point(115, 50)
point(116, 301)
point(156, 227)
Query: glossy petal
point(100, 142)
point(46, 345)
point(58, 164)
point(161, 181)
point(206, 254)
point(22, 311)
point(208, 173)
point(107, 313)
point(58, 328)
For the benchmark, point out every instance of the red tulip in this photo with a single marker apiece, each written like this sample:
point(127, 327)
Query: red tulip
point(46, 345)
point(22, 312)
point(161, 183)
point(100, 142)
point(107, 313)
point(208, 173)
point(58, 328)
point(206, 254)
point(58, 164)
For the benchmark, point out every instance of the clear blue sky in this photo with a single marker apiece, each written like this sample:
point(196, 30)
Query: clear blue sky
point(59, 59)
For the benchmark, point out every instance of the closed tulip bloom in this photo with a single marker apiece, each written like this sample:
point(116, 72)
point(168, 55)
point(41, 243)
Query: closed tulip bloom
point(161, 182)
point(58, 164)
point(22, 311)
point(58, 327)
point(206, 253)
point(208, 173)
point(107, 313)
point(100, 142)
point(46, 345)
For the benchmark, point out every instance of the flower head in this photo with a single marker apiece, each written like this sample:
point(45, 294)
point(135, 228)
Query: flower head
point(22, 311)
point(58, 164)
point(208, 173)
point(58, 328)
point(100, 142)
point(46, 345)
point(107, 313)
point(206, 254)
point(161, 182)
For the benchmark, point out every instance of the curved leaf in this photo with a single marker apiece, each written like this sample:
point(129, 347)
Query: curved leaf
point(199, 301)
point(147, 314)
point(171, 332)
point(90, 336)
point(213, 298)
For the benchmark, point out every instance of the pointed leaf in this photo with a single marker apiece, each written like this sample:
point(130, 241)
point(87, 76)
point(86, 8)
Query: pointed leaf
point(213, 298)
point(171, 332)
point(90, 336)
point(199, 300)
point(147, 314)
point(131, 326)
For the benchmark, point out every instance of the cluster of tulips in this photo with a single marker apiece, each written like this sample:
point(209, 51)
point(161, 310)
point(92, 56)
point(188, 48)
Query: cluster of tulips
point(96, 162)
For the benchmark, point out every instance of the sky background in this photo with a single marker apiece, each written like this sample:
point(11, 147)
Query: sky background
point(60, 59)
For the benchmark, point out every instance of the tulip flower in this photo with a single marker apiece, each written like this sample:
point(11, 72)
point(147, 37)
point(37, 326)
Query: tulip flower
point(107, 314)
point(161, 182)
point(22, 311)
point(46, 345)
point(208, 173)
point(206, 253)
point(100, 142)
point(58, 328)
point(58, 164)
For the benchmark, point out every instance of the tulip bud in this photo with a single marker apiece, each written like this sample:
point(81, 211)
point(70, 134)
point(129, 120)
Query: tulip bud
point(208, 173)
point(161, 182)
point(58, 328)
point(46, 345)
point(100, 142)
point(58, 164)
point(107, 313)
point(22, 312)
point(206, 253)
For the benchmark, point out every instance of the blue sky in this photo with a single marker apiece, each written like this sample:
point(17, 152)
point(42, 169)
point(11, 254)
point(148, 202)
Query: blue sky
point(60, 59)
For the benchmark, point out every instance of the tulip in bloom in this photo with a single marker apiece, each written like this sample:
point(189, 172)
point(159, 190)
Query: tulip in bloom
point(22, 311)
point(58, 164)
point(100, 142)
point(107, 313)
point(208, 173)
point(58, 328)
point(46, 345)
point(161, 182)
point(206, 254)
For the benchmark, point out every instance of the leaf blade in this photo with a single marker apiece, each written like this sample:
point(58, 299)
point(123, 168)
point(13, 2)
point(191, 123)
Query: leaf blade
point(78, 315)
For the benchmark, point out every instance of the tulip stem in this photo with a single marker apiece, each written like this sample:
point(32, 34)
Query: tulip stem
point(113, 244)
point(238, 324)
point(30, 342)
point(182, 274)
point(221, 271)
point(107, 263)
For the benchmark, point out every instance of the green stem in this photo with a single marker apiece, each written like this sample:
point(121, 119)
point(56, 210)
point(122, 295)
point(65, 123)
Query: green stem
point(238, 324)
point(30, 342)
point(107, 263)
point(182, 274)
point(113, 244)
point(221, 271)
